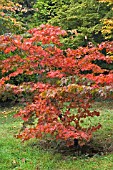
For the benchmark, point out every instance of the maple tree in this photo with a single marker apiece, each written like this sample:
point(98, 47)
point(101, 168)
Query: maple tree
point(67, 81)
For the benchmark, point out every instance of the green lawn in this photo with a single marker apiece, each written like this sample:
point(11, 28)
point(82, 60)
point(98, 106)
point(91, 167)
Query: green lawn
point(33, 155)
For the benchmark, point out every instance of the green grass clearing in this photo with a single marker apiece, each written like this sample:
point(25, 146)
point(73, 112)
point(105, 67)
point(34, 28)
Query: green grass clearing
point(33, 155)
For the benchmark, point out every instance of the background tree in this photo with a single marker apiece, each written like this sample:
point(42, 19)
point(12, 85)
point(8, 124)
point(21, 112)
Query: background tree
point(26, 12)
point(107, 29)
point(15, 16)
point(81, 18)
point(8, 21)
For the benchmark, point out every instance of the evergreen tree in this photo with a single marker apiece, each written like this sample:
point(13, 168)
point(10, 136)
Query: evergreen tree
point(81, 17)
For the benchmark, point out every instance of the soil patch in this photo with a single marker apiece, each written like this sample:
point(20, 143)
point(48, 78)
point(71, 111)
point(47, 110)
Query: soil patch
point(89, 150)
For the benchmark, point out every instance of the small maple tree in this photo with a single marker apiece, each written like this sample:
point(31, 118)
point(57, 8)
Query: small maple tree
point(67, 81)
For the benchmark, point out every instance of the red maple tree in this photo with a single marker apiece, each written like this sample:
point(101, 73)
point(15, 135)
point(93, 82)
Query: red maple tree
point(67, 81)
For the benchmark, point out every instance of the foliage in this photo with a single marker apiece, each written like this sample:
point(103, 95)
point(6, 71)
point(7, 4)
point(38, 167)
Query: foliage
point(25, 12)
point(66, 81)
point(15, 16)
point(106, 1)
point(81, 18)
point(8, 21)
point(108, 22)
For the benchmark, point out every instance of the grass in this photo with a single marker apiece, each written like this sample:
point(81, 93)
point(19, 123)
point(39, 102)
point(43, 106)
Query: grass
point(33, 155)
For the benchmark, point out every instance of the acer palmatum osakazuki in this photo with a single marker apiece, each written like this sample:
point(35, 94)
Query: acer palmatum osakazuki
point(67, 81)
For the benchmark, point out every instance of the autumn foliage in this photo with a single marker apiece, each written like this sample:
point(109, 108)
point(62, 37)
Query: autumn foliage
point(67, 82)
